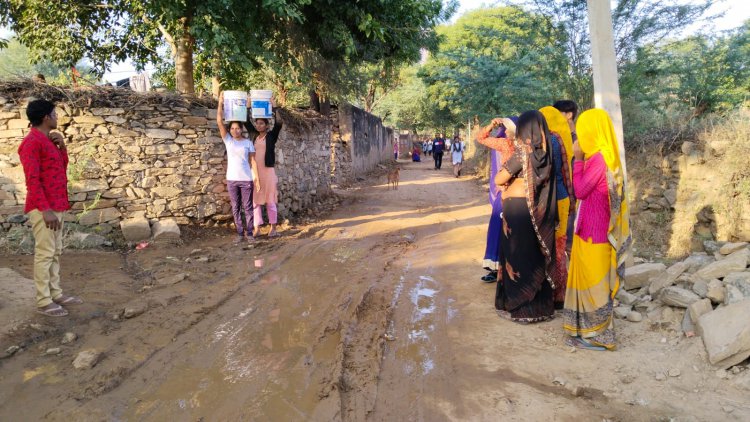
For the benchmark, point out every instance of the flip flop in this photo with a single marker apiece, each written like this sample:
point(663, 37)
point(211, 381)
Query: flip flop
point(583, 344)
point(68, 300)
point(53, 311)
point(274, 234)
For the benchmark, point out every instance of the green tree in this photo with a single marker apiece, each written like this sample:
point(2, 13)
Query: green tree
point(492, 62)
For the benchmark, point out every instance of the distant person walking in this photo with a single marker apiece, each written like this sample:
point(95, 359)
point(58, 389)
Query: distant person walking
point(602, 234)
point(457, 155)
point(395, 150)
point(240, 174)
point(44, 157)
point(438, 146)
point(266, 189)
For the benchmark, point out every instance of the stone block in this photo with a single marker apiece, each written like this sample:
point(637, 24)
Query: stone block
point(88, 185)
point(667, 279)
point(726, 334)
point(699, 308)
point(677, 296)
point(11, 133)
point(194, 121)
point(167, 191)
point(121, 181)
point(638, 276)
point(697, 261)
point(18, 124)
point(160, 134)
point(735, 262)
point(89, 120)
point(105, 111)
point(739, 280)
point(121, 131)
point(162, 149)
point(729, 248)
point(166, 231)
point(99, 216)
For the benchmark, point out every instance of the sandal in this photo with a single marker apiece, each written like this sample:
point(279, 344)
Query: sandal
point(583, 344)
point(68, 300)
point(274, 234)
point(491, 277)
point(52, 310)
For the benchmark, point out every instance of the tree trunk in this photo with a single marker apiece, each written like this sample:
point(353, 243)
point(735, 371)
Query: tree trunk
point(215, 70)
point(183, 62)
point(314, 100)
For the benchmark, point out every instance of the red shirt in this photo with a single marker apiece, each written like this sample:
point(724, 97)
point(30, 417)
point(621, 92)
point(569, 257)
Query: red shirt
point(44, 165)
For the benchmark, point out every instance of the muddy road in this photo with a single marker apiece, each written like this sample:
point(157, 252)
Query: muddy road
point(375, 313)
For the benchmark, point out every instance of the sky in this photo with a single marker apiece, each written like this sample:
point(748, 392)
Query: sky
point(735, 13)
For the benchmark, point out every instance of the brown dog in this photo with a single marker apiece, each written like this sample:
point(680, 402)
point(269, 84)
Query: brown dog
point(393, 178)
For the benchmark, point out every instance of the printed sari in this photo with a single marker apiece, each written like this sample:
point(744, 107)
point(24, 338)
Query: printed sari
point(528, 236)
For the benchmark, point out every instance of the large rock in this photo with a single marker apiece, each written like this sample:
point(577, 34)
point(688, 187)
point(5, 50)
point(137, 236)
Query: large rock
point(739, 280)
point(135, 229)
point(99, 216)
point(677, 296)
point(638, 276)
point(88, 120)
point(166, 231)
point(697, 261)
point(668, 279)
point(736, 262)
point(729, 248)
point(726, 334)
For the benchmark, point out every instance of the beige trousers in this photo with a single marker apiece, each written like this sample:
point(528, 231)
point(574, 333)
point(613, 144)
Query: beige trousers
point(47, 250)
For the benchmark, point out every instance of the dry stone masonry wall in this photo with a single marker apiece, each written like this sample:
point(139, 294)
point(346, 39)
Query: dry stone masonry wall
point(166, 161)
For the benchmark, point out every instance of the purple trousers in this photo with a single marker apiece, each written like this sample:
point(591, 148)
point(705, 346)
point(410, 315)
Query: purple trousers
point(241, 197)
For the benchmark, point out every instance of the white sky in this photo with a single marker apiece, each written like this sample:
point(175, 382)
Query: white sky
point(735, 11)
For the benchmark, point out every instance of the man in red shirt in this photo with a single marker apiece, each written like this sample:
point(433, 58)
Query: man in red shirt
point(45, 160)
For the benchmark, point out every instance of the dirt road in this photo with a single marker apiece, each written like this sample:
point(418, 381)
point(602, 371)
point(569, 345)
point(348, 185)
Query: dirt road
point(376, 313)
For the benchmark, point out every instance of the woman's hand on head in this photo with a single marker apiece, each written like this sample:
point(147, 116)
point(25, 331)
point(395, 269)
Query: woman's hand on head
point(577, 151)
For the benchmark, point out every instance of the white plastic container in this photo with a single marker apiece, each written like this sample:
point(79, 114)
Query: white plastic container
point(260, 100)
point(235, 106)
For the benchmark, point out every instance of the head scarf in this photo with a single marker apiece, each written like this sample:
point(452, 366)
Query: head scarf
point(496, 158)
point(533, 145)
point(559, 125)
point(596, 134)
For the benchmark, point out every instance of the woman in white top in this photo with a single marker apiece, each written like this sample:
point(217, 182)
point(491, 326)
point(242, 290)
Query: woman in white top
point(457, 155)
point(240, 174)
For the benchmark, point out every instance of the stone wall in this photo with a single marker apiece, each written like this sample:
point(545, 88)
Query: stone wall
point(160, 156)
point(369, 142)
point(160, 161)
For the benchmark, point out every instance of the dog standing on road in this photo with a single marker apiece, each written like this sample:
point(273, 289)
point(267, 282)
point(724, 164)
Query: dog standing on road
point(393, 178)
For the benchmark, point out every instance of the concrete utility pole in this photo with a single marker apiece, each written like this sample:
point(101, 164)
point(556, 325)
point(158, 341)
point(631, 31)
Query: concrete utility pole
point(606, 88)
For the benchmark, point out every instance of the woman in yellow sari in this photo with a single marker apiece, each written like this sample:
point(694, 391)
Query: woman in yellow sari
point(602, 234)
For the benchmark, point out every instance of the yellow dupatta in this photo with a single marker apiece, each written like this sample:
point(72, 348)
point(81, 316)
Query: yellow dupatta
point(557, 123)
point(597, 134)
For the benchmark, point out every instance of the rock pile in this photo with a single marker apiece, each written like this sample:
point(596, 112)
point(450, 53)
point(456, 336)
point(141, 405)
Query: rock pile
point(709, 294)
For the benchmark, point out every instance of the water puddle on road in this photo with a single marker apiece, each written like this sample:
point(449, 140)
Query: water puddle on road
point(270, 359)
point(419, 350)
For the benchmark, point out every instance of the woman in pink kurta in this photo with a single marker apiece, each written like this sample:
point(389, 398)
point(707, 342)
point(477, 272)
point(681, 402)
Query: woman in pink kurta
point(266, 193)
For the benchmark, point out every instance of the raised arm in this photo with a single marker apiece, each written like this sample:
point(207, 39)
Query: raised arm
point(276, 122)
point(587, 175)
point(220, 116)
